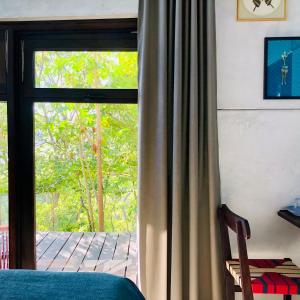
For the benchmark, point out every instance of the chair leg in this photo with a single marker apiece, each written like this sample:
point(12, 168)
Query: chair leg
point(287, 297)
point(230, 290)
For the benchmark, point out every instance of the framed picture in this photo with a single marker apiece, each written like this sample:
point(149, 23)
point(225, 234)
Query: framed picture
point(282, 68)
point(261, 10)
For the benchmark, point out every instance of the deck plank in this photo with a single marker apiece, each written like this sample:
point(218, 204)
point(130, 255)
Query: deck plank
point(63, 256)
point(79, 253)
point(131, 269)
point(90, 261)
point(119, 262)
point(47, 258)
point(88, 252)
point(122, 247)
point(45, 244)
point(105, 260)
point(40, 235)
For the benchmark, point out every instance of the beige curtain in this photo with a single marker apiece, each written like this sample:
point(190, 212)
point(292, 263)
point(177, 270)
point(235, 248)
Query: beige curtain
point(178, 151)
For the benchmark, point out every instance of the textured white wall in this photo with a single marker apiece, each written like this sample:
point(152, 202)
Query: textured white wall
point(241, 56)
point(259, 140)
point(66, 9)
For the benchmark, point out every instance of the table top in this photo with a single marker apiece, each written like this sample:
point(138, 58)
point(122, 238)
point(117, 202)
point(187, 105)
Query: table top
point(288, 216)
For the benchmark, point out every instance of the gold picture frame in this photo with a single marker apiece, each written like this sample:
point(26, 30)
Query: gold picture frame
point(244, 13)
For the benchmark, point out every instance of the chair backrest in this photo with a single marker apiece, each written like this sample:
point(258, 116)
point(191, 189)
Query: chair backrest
point(241, 228)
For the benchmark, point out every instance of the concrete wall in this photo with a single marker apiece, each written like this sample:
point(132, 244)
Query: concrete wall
point(259, 140)
point(66, 9)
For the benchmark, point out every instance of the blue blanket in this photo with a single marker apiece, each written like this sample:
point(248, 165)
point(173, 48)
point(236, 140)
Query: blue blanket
point(25, 285)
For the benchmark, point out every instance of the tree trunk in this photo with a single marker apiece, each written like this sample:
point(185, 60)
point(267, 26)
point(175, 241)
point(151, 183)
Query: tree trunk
point(54, 201)
point(87, 188)
point(99, 170)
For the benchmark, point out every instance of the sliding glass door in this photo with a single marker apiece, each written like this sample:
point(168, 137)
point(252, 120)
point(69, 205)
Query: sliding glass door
point(86, 185)
point(81, 98)
point(68, 158)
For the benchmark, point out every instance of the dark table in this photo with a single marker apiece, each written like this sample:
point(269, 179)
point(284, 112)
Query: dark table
point(285, 214)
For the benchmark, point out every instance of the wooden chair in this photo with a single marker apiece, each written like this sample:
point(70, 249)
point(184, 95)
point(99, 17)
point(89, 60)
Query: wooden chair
point(253, 276)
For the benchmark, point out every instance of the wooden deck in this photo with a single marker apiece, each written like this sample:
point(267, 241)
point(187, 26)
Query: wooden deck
point(87, 252)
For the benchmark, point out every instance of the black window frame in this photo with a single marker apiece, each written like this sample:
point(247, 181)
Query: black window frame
point(22, 40)
point(89, 41)
point(3, 63)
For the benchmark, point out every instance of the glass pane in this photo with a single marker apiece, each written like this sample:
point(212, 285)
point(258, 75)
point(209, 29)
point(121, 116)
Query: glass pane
point(86, 184)
point(2, 62)
point(94, 70)
point(3, 187)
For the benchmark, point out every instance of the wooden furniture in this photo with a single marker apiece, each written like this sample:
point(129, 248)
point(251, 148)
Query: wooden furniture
point(251, 276)
point(288, 216)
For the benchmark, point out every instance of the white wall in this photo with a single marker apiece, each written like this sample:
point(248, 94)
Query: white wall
point(259, 140)
point(11, 10)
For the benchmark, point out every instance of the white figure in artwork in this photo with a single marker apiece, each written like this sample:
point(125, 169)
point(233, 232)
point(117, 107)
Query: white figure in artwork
point(285, 67)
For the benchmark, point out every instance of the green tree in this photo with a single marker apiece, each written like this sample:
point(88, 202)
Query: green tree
point(86, 156)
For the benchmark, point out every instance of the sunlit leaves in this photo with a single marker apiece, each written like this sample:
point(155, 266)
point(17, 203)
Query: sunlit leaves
point(65, 143)
point(112, 70)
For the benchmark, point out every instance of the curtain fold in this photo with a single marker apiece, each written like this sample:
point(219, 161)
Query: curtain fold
point(178, 151)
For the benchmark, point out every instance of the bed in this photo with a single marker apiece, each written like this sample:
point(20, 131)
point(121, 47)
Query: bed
point(27, 284)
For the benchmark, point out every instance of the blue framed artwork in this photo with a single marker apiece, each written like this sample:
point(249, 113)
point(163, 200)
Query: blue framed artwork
point(282, 68)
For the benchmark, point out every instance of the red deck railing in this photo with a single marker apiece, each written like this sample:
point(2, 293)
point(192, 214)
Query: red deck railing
point(4, 246)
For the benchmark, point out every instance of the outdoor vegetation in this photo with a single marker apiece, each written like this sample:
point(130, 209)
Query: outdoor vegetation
point(85, 154)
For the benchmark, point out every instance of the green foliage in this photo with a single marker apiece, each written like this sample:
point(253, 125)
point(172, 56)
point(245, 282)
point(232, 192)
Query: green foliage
point(65, 144)
point(86, 69)
point(65, 158)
